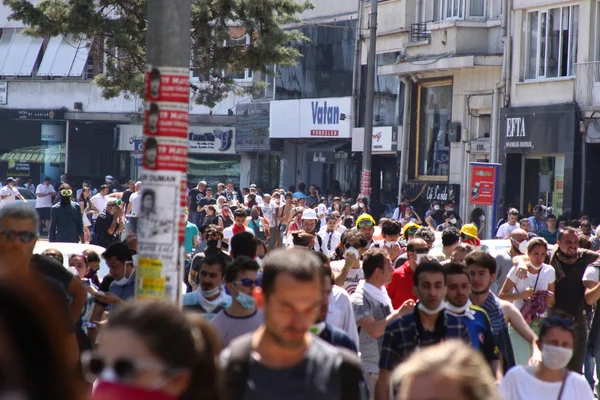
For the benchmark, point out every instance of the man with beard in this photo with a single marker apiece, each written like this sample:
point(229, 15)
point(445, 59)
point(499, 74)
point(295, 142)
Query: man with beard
point(474, 317)
point(504, 258)
point(214, 248)
point(209, 297)
point(282, 359)
point(482, 268)
point(66, 222)
point(427, 325)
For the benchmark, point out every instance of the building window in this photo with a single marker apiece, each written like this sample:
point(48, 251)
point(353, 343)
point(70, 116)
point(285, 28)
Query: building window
point(238, 75)
point(552, 42)
point(434, 115)
point(458, 9)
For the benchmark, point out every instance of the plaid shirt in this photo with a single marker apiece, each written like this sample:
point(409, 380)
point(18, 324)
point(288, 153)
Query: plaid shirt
point(401, 338)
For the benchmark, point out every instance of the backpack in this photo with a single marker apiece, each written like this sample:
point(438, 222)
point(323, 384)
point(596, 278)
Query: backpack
point(238, 369)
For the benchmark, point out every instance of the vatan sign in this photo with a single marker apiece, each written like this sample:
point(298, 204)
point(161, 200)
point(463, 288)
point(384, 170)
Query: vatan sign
point(484, 184)
point(311, 118)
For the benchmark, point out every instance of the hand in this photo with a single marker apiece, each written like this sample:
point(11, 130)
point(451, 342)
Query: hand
point(109, 298)
point(394, 251)
point(522, 271)
point(350, 260)
point(24, 201)
point(536, 357)
point(406, 307)
point(528, 294)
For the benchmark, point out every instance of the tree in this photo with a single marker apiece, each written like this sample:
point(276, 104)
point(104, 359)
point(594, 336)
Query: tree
point(117, 32)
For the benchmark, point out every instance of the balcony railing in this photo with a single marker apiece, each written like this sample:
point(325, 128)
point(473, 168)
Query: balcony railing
point(587, 84)
point(419, 32)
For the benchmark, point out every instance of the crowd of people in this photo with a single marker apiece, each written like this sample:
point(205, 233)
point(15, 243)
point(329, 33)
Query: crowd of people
point(293, 295)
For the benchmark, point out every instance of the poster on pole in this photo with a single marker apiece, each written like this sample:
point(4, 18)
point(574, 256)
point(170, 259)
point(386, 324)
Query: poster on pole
point(484, 184)
point(164, 154)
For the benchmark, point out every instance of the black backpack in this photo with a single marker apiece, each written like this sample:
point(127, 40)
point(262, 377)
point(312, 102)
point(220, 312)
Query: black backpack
point(238, 369)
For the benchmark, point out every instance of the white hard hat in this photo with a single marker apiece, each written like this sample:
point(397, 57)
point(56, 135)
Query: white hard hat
point(309, 214)
point(109, 178)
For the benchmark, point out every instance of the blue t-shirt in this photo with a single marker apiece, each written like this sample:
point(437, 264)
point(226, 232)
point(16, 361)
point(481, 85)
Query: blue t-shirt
point(480, 331)
point(191, 230)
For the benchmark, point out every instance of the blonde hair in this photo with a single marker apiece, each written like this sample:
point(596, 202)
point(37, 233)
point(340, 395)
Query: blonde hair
point(453, 360)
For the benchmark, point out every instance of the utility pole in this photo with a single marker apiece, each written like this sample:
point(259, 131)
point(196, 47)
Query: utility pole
point(161, 228)
point(368, 141)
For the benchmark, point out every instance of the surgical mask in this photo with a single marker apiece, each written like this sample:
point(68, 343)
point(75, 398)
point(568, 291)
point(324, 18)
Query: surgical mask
point(245, 300)
point(429, 311)
point(522, 246)
point(451, 209)
point(136, 259)
point(555, 357)
point(458, 310)
point(124, 280)
point(106, 389)
point(212, 292)
point(482, 218)
point(436, 207)
point(453, 221)
point(352, 250)
point(390, 244)
point(420, 258)
point(534, 267)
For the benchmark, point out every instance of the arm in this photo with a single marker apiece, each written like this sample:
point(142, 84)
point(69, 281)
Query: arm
point(382, 387)
point(129, 208)
point(592, 292)
point(19, 195)
point(515, 318)
point(506, 292)
point(220, 224)
point(376, 329)
point(195, 241)
point(192, 279)
point(419, 221)
point(429, 222)
point(79, 295)
point(340, 278)
point(95, 317)
point(552, 299)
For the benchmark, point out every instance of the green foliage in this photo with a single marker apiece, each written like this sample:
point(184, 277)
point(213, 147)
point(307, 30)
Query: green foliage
point(118, 31)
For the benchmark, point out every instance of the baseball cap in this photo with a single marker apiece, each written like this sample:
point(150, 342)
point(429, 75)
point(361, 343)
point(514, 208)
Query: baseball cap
point(469, 230)
point(109, 178)
point(309, 214)
point(253, 186)
point(9, 180)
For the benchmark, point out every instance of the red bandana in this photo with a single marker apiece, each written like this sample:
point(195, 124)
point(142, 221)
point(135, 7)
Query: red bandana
point(237, 230)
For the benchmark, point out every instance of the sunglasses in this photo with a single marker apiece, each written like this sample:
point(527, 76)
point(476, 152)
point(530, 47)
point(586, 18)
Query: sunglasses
point(25, 237)
point(365, 222)
point(66, 193)
point(423, 250)
point(247, 282)
point(125, 369)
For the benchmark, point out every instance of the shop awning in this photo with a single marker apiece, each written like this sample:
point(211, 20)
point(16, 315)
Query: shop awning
point(327, 147)
point(36, 154)
point(18, 53)
point(64, 57)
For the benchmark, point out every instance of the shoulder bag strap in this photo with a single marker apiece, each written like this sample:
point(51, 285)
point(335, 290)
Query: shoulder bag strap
point(562, 386)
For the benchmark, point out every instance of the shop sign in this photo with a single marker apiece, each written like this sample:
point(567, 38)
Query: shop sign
point(18, 168)
point(32, 114)
point(52, 133)
point(252, 127)
point(3, 93)
point(516, 134)
point(480, 147)
point(129, 135)
point(211, 140)
point(311, 118)
point(484, 183)
point(431, 191)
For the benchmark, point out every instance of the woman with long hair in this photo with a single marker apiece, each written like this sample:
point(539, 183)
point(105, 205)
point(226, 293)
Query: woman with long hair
point(87, 211)
point(259, 224)
point(550, 379)
point(477, 218)
point(532, 296)
point(225, 218)
point(153, 351)
point(211, 217)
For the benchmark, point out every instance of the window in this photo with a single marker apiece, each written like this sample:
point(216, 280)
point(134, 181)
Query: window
point(458, 9)
point(434, 115)
point(552, 42)
point(240, 75)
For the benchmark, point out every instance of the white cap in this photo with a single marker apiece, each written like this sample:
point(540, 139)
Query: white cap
point(309, 214)
point(109, 178)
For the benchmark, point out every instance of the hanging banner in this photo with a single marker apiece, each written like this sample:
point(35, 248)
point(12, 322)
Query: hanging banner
point(484, 183)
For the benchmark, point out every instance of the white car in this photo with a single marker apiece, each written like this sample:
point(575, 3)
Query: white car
point(68, 249)
point(496, 245)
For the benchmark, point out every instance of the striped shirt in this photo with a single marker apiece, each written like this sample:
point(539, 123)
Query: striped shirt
point(494, 310)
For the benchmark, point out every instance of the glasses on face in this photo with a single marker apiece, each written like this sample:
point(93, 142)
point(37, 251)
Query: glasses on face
point(247, 282)
point(10, 235)
point(126, 369)
point(422, 250)
point(365, 222)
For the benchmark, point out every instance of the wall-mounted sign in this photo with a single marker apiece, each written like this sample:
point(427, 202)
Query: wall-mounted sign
point(51, 132)
point(431, 191)
point(33, 114)
point(480, 147)
point(484, 183)
point(311, 118)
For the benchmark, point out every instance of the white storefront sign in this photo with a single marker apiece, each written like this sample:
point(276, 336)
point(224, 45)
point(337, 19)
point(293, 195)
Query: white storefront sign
point(382, 142)
point(311, 118)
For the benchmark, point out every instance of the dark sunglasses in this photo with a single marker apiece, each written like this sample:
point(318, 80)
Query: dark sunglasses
point(365, 222)
point(247, 282)
point(25, 237)
point(125, 369)
point(261, 256)
point(423, 250)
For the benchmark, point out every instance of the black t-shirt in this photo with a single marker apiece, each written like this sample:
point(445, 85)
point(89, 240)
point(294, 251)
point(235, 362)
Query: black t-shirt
point(126, 195)
point(569, 292)
point(438, 216)
point(195, 196)
point(103, 238)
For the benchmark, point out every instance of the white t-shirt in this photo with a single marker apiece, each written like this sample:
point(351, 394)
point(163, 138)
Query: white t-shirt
point(340, 313)
point(546, 275)
point(46, 201)
point(136, 204)
point(520, 384)
point(268, 211)
point(322, 210)
point(228, 233)
point(505, 230)
point(354, 275)
point(99, 202)
point(591, 274)
point(12, 198)
point(329, 248)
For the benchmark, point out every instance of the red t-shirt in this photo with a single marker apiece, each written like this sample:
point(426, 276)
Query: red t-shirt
point(402, 286)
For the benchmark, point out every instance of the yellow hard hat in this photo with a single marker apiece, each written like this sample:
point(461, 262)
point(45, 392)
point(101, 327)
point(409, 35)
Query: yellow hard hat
point(364, 217)
point(469, 230)
point(409, 226)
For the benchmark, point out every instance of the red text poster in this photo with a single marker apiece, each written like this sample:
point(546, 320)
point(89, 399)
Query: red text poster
point(165, 154)
point(167, 84)
point(483, 184)
point(166, 119)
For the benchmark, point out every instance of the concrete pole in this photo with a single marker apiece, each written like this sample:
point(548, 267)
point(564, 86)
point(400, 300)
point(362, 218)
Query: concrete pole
point(371, 71)
point(161, 227)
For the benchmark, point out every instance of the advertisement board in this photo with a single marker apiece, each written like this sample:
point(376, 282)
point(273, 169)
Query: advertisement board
point(484, 184)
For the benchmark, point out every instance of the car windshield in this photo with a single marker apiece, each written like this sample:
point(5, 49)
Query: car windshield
point(27, 194)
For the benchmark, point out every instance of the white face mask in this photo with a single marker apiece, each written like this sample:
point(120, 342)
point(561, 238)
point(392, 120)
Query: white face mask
point(534, 267)
point(482, 218)
point(420, 258)
point(390, 244)
point(351, 250)
point(555, 357)
point(436, 207)
point(458, 310)
point(453, 221)
point(212, 292)
point(124, 280)
point(522, 246)
point(430, 311)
